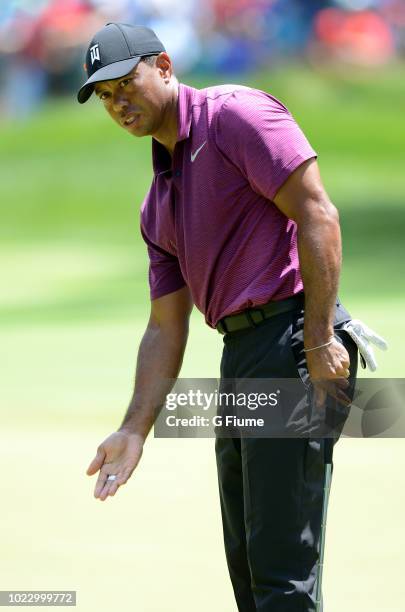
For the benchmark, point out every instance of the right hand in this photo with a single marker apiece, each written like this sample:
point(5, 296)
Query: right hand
point(119, 454)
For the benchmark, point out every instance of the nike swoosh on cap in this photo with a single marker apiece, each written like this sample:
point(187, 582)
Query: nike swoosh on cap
point(194, 155)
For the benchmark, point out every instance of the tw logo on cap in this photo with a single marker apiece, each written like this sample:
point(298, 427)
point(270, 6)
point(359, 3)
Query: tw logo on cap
point(94, 53)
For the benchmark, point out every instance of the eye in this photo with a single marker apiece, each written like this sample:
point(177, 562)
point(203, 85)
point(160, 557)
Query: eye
point(103, 95)
point(125, 82)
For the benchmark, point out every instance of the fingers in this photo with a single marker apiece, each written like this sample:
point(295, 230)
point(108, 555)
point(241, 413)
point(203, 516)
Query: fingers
point(108, 488)
point(97, 462)
point(333, 388)
point(105, 492)
point(338, 394)
point(319, 395)
point(104, 487)
point(343, 357)
point(112, 486)
point(101, 483)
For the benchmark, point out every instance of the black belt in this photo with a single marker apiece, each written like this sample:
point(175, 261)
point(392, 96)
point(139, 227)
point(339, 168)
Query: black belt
point(253, 316)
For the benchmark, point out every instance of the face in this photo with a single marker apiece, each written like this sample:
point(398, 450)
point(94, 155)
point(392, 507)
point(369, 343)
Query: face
point(137, 101)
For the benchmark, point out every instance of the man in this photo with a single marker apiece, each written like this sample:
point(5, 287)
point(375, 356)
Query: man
point(236, 221)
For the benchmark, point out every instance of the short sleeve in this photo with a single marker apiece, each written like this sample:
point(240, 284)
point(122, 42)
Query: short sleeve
point(260, 136)
point(164, 271)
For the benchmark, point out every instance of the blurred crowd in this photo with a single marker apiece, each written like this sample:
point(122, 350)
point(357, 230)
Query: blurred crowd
point(42, 42)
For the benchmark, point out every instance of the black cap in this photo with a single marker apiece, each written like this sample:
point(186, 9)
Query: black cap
point(115, 51)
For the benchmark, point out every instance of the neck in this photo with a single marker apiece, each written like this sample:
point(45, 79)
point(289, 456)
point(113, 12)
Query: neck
point(167, 133)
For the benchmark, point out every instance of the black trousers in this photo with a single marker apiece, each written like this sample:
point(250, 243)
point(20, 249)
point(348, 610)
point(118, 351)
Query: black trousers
point(271, 489)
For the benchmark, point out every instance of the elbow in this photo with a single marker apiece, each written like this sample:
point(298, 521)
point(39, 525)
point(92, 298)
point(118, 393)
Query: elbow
point(176, 328)
point(328, 217)
point(321, 211)
point(332, 212)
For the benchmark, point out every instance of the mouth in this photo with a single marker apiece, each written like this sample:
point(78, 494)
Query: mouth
point(130, 119)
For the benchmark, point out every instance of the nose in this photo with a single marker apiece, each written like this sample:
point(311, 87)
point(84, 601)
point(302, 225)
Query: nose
point(120, 103)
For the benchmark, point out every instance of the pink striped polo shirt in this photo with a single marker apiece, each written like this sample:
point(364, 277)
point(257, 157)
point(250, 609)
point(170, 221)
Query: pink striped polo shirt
point(209, 221)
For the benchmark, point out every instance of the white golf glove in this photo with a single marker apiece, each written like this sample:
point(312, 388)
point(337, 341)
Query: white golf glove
point(363, 337)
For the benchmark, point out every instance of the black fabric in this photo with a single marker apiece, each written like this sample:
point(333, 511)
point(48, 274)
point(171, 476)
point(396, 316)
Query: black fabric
point(271, 490)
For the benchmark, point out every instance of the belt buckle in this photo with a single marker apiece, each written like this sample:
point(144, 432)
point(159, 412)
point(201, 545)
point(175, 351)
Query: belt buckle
point(250, 318)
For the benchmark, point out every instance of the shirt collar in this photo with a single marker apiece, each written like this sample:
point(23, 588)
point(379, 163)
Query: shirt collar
point(184, 106)
point(160, 156)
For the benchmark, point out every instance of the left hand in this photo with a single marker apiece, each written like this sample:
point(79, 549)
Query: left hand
point(328, 369)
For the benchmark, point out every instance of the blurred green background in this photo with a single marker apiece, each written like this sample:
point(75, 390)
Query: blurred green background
point(74, 304)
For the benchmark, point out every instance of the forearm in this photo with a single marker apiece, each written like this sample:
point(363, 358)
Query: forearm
point(159, 361)
point(320, 255)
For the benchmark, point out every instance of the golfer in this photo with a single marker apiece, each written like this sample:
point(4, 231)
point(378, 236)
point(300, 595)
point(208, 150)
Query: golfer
point(237, 222)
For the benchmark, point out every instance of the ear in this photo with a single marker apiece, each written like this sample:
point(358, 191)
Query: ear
point(165, 66)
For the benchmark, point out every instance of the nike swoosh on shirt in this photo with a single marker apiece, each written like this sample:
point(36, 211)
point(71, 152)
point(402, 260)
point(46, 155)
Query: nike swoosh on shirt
point(194, 155)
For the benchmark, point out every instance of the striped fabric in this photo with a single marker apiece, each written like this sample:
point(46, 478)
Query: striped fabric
point(208, 219)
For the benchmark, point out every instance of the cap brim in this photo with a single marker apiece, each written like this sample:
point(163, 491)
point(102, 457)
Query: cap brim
point(108, 73)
